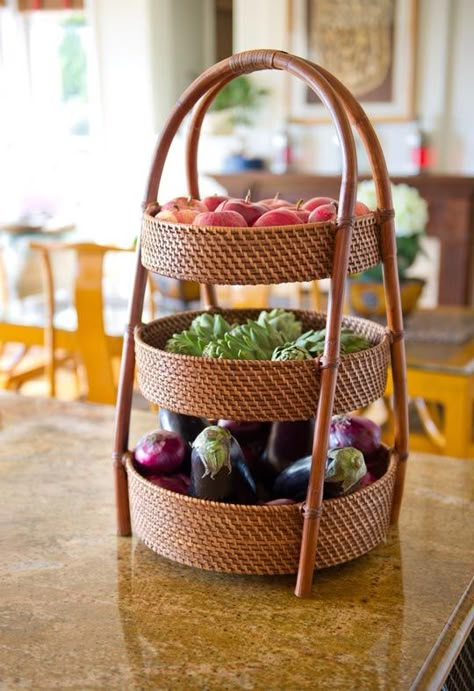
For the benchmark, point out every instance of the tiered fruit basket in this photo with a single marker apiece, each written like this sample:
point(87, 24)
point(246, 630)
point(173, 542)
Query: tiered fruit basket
point(263, 539)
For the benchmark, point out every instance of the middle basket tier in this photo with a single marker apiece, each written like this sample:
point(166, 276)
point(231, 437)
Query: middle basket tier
point(253, 256)
point(263, 390)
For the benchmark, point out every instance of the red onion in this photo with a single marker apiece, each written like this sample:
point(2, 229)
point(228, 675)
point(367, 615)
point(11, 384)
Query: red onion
point(176, 483)
point(160, 451)
point(358, 432)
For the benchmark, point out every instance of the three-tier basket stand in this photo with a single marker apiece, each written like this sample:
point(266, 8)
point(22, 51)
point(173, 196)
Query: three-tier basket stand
point(266, 539)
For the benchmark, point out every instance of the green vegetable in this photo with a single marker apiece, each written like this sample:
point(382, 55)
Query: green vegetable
point(275, 335)
point(249, 341)
point(283, 321)
point(290, 351)
point(203, 329)
point(352, 343)
point(344, 468)
point(313, 341)
point(186, 343)
point(210, 325)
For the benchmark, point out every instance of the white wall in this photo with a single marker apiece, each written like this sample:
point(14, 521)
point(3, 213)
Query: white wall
point(445, 100)
point(146, 53)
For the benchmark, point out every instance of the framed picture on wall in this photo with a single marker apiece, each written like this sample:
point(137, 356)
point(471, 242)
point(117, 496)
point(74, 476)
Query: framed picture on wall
point(369, 45)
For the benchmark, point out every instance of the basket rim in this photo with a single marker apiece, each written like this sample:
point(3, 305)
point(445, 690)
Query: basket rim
point(140, 329)
point(251, 508)
point(320, 225)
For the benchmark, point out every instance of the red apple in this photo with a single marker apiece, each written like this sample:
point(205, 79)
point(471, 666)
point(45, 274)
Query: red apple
point(220, 219)
point(245, 208)
point(213, 201)
point(275, 202)
point(185, 203)
point(177, 215)
point(318, 201)
point(304, 215)
point(278, 217)
point(361, 209)
point(325, 212)
point(301, 211)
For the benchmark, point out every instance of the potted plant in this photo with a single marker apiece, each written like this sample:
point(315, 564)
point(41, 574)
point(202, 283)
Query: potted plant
point(234, 105)
point(366, 293)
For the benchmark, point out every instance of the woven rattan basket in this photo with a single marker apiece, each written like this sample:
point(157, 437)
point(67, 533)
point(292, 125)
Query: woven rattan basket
point(266, 539)
point(256, 539)
point(255, 389)
point(253, 255)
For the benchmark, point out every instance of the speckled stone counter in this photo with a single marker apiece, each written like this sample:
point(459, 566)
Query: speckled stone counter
point(83, 609)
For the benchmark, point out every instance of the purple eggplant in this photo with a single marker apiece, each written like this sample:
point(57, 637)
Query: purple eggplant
point(179, 482)
point(344, 470)
point(252, 437)
point(219, 470)
point(288, 441)
point(187, 426)
point(377, 461)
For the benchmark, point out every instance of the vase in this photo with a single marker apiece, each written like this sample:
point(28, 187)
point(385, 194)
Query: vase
point(367, 298)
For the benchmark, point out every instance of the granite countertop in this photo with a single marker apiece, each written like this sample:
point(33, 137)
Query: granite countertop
point(82, 608)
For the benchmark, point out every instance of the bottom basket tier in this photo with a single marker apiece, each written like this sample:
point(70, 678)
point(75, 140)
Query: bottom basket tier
point(261, 539)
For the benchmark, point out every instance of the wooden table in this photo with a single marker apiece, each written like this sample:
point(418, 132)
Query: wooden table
point(84, 609)
point(440, 370)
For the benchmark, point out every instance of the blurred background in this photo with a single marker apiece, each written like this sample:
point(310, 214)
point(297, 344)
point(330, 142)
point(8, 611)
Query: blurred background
point(86, 86)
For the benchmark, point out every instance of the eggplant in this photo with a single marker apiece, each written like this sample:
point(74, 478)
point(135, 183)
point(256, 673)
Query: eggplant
point(292, 482)
point(187, 426)
point(287, 442)
point(178, 482)
point(344, 470)
point(377, 461)
point(252, 437)
point(219, 470)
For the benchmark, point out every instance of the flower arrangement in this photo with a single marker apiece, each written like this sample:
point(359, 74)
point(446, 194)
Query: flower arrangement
point(411, 216)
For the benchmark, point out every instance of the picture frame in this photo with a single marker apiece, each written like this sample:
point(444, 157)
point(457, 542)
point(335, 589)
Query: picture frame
point(368, 44)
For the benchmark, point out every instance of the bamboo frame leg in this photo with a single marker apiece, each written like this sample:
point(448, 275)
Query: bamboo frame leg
point(124, 399)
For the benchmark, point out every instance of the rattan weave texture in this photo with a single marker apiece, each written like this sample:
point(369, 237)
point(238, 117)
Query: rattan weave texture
point(255, 389)
point(253, 256)
point(256, 539)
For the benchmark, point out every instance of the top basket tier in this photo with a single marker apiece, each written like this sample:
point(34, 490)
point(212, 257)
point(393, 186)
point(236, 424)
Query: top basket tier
point(253, 256)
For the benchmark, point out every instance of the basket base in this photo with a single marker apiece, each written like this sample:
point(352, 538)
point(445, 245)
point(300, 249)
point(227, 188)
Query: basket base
point(256, 540)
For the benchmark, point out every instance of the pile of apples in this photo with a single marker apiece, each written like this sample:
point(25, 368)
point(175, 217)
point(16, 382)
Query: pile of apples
point(225, 212)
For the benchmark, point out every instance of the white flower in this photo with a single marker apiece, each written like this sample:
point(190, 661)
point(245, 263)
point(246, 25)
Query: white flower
point(411, 210)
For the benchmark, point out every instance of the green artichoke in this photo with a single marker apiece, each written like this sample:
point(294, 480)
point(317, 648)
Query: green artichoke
point(249, 341)
point(290, 351)
point(283, 321)
point(203, 329)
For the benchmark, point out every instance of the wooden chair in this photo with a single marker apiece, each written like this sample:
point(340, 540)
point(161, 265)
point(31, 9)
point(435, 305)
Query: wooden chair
point(87, 332)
